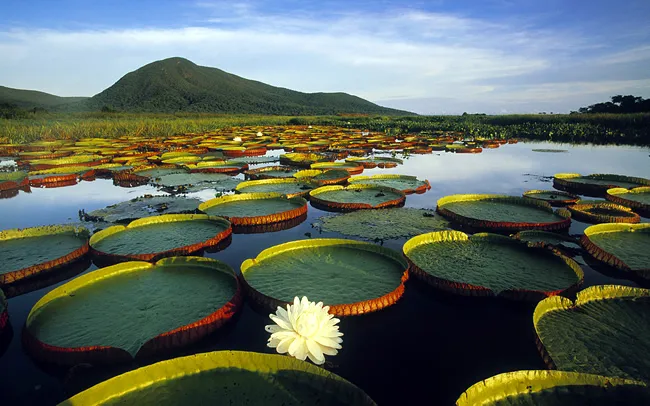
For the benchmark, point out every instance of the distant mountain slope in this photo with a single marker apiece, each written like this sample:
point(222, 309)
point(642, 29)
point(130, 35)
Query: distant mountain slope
point(28, 99)
point(176, 84)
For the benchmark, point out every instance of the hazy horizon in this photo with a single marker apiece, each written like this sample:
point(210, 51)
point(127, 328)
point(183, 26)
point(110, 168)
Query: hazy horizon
point(434, 57)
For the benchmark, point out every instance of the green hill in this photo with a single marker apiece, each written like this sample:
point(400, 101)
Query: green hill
point(176, 84)
point(28, 99)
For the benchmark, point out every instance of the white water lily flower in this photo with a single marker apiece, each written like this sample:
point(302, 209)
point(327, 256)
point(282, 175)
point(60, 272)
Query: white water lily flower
point(259, 134)
point(238, 139)
point(305, 329)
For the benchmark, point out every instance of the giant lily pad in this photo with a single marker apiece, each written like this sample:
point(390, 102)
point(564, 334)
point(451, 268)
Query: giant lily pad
point(271, 172)
point(405, 183)
point(194, 182)
point(603, 213)
point(30, 251)
point(553, 197)
point(155, 172)
point(355, 197)
point(499, 212)
point(490, 265)
point(622, 246)
point(381, 162)
point(286, 187)
point(255, 160)
point(225, 378)
point(605, 332)
point(352, 277)
point(637, 198)
point(596, 184)
point(132, 309)
point(352, 168)
point(253, 209)
point(223, 167)
point(152, 238)
point(550, 388)
point(385, 223)
point(144, 206)
point(324, 177)
point(301, 159)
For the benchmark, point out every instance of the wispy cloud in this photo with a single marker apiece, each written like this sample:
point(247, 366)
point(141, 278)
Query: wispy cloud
point(396, 54)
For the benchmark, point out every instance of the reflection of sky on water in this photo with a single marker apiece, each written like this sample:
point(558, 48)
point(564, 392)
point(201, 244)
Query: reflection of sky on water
point(510, 169)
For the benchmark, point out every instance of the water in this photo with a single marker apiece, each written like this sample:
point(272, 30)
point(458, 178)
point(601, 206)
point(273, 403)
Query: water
point(427, 348)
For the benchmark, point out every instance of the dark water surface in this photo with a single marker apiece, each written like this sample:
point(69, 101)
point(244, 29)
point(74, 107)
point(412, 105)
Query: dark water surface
point(426, 349)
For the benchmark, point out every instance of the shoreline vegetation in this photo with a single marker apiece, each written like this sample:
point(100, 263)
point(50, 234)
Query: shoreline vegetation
point(605, 128)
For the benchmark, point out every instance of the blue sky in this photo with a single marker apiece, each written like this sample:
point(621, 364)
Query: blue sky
point(431, 57)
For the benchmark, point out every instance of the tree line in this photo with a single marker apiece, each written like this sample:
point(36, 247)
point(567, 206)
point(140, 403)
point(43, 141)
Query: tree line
point(619, 105)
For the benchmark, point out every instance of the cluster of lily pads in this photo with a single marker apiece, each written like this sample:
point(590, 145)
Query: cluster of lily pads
point(514, 248)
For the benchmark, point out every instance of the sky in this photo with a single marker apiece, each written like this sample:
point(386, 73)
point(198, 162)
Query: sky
point(429, 57)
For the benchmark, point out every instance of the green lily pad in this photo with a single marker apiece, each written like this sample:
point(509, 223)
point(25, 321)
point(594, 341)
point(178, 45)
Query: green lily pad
point(550, 388)
point(194, 182)
point(382, 162)
point(228, 378)
point(405, 183)
point(144, 206)
point(127, 305)
point(252, 209)
point(605, 332)
point(490, 265)
point(637, 198)
point(155, 173)
point(603, 212)
point(158, 236)
point(29, 251)
point(623, 246)
point(553, 197)
point(385, 223)
point(355, 197)
point(502, 212)
point(352, 168)
point(287, 187)
point(596, 183)
point(255, 160)
point(351, 277)
point(271, 172)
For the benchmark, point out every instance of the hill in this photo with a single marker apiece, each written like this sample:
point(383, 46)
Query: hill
point(29, 99)
point(177, 84)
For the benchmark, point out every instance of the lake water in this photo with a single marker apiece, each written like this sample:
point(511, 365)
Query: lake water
point(427, 348)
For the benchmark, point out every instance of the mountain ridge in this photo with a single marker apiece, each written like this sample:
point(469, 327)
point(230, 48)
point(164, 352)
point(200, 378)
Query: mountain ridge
point(179, 85)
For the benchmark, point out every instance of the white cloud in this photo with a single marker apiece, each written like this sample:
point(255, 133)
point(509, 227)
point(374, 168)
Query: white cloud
point(406, 54)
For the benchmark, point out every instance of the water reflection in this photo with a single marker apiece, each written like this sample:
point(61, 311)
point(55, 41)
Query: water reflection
point(460, 340)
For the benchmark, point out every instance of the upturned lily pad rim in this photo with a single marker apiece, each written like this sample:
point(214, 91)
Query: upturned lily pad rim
point(192, 365)
point(581, 212)
point(165, 218)
point(342, 206)
point(341, 176)
point(565, 181)
point(618, 196)
point(177, 337)
point(41, 231)
point(241, 187)
point(503, 225)
point(420, 189)
point(468, 289)
point(341, 309)
point(591, 294)
point(570, 197)
point(299, 210)
point(500, 387)
point(353, 168)
point(258, 173)
point(610, 258)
